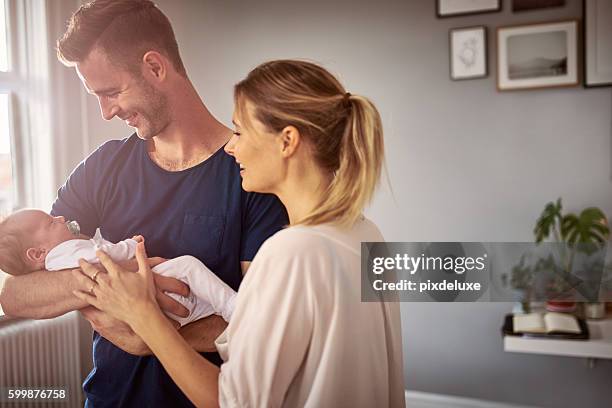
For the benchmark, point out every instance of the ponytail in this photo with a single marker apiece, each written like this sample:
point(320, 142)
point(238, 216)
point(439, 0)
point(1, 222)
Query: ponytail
point(361, 155)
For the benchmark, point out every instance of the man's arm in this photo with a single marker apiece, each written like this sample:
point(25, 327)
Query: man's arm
point(201, 334)
point(244, 265)
point(42, 294)
point(117, 332)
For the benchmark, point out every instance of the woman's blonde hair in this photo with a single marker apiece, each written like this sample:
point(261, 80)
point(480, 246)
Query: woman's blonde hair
point(344, 131)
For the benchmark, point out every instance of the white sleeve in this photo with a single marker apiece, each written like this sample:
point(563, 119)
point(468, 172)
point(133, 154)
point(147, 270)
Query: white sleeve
point(121, 251)
point(67, 254)
point(268, 336)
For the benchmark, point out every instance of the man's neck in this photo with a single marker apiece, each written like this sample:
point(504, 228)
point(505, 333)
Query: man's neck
point(191, 137)
point(185, 151)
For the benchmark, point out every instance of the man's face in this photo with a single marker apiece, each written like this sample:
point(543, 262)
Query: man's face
point(124, 94)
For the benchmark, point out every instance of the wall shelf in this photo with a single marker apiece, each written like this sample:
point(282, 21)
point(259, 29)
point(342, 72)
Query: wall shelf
point(598, 346)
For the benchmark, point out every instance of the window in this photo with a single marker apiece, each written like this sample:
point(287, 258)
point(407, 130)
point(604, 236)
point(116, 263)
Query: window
point(3, 40)
point(6, 173)
point(27, 124)
point(6, 85)
point(6, 168)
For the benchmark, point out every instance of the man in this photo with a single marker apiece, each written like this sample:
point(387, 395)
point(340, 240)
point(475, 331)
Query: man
point(170, 182)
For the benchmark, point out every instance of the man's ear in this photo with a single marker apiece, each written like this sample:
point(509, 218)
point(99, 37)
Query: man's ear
point(155, 65)
point(290, 139)
point(36, 254)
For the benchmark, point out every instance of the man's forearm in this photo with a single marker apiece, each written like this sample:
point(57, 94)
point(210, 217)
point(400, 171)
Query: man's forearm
point(127, 341)
point(41, 294)
point(201, 334)
point(45, 294)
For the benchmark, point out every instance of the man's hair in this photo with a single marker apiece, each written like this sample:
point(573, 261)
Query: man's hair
point(123, 29)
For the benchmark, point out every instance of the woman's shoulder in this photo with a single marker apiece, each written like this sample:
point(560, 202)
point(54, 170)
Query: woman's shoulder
point(312, 250)
point(321, 238)
point(290, 239)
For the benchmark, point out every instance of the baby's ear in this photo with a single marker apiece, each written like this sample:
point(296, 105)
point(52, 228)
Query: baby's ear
point(36, 254)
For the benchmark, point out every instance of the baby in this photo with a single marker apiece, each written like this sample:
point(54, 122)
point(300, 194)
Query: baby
point(32, 240)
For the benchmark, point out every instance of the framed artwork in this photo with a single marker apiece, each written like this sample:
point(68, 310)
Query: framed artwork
point(526, 5)
point(468, 52)
point(537, 55)
point(597, 43)
point(451, 8)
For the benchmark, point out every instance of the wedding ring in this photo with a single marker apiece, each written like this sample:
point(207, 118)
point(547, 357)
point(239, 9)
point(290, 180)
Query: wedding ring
point(93, 278)
point(91, 290)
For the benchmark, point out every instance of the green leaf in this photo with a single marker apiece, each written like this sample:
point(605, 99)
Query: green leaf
point(549, 218)
point(591, 226)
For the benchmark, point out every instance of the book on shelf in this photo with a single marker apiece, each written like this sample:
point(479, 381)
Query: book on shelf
point(550, 322)
point(547, 325)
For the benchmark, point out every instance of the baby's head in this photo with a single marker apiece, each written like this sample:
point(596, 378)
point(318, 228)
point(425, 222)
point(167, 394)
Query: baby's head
point(26, 237)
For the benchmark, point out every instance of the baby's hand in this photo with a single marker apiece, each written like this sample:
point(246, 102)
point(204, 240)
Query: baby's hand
point(138, 238)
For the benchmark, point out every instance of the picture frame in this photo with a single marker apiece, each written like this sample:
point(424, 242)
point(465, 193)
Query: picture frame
point(528, 5)
point(597, 34)
point(540, 55)
point(452, 8)
point(468, 53)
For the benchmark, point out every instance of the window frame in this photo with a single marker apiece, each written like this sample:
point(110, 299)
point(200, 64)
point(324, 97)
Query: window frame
point(11, 85)
point(31, 125)
point(14, 82)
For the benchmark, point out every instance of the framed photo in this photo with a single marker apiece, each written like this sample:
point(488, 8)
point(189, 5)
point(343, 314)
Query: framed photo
point(451, 8)
point(468, 52)
point(537, 55)
point(597, 43)
point(526, 5)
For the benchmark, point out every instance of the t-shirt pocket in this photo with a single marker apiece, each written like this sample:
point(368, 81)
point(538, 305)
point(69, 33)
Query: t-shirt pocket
point(202, 236)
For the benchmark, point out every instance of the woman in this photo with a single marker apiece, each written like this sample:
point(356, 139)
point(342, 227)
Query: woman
point(299, 334)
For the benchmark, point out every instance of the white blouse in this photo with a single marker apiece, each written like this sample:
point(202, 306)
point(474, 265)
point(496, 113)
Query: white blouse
point(300, 335)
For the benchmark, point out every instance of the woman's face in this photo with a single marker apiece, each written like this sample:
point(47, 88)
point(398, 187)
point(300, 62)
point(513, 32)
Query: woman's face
point(257, 151)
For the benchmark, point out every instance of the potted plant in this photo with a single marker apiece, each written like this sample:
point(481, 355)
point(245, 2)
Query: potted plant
point(521, 280)
point(590, 228)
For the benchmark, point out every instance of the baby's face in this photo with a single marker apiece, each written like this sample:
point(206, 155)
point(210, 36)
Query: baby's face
point(47, 231)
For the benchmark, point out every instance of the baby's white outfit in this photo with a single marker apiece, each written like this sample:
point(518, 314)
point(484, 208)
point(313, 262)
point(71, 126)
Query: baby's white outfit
point(208, 293)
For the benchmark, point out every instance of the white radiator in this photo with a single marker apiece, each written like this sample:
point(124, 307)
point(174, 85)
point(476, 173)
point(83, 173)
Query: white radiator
point(39, 354)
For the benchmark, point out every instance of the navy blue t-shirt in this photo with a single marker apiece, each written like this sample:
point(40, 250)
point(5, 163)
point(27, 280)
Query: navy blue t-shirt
point(201, 211)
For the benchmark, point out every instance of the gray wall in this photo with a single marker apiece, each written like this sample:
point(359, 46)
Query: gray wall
point(466, 163)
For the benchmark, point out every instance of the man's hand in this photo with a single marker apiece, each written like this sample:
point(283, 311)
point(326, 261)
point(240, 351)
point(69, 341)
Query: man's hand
point(115, 331)
point(118, 332)
point(166, 303)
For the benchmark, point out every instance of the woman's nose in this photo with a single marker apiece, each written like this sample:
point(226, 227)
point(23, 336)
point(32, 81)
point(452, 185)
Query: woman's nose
point(229, 147)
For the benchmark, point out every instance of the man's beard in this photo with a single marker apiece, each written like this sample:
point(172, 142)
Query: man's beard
point(155, 117)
